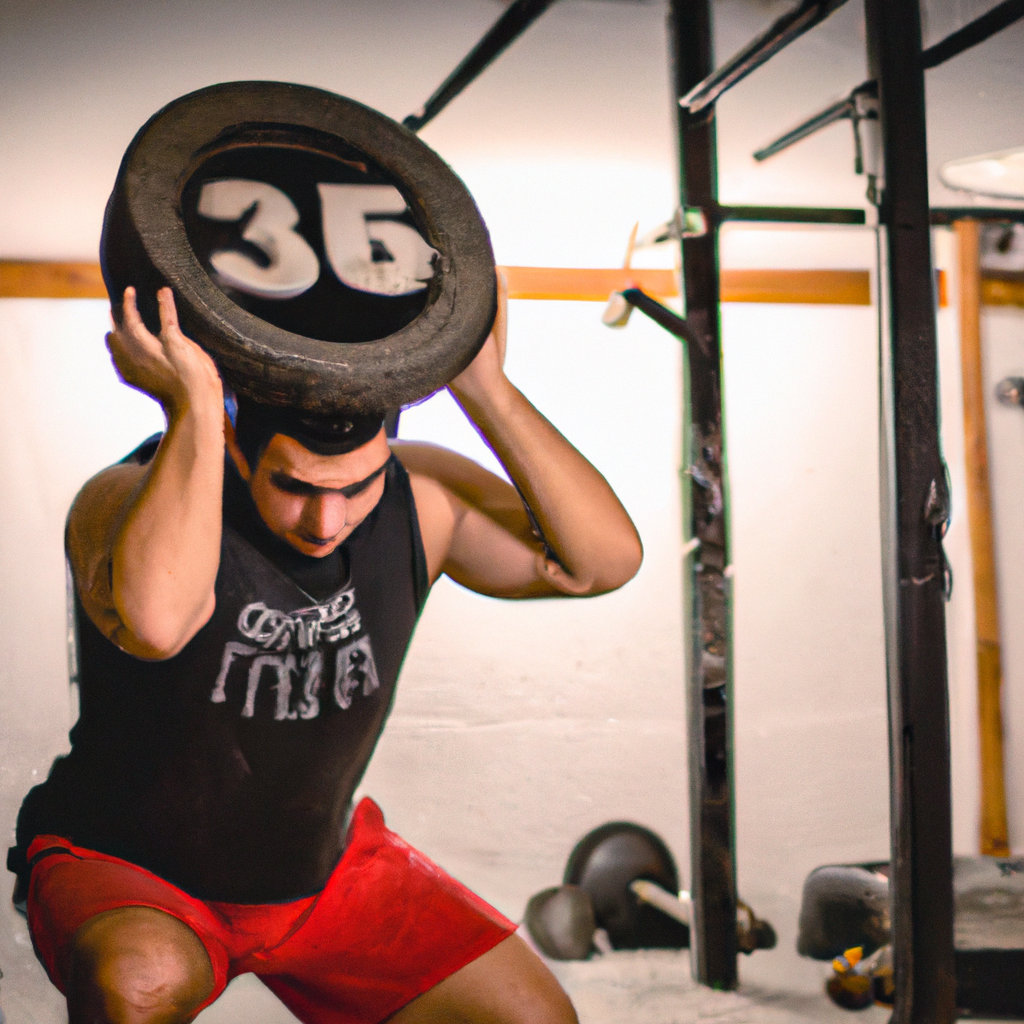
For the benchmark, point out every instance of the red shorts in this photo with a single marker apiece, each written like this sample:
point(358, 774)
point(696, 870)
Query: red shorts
point(388, 925)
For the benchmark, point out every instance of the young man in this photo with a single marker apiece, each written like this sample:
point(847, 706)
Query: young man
point(246, 593)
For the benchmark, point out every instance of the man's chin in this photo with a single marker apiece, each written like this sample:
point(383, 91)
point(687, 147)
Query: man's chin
point(314, 548)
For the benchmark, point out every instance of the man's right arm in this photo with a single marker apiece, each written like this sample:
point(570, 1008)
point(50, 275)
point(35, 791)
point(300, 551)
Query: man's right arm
point(144, 541)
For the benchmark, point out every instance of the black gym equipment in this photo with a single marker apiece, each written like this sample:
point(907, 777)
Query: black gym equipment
point(323, 255)
point(561, 922)
point(846, 907)
point(604, 863)
point(621, 891)
point(519, 16)
point(843, 906)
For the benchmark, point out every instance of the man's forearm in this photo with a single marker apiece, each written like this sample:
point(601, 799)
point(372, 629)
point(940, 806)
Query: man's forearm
point(166, 551)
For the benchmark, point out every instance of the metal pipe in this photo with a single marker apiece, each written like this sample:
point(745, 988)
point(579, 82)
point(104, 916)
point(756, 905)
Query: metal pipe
point(789, 214)
point(836, 112)
point(977, 31)
point(505, 31)
point(915, 511)
point(946, 215)
point(781, 33)
point(707, 601)
point(859, 104)
point(661, 315)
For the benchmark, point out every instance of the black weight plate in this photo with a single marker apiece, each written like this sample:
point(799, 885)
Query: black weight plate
point(561, 922)
point(322, 253)
point(604, 862)
point(843, 906)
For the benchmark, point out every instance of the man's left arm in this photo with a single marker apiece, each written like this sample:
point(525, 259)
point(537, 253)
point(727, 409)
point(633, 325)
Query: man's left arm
point(474, 524)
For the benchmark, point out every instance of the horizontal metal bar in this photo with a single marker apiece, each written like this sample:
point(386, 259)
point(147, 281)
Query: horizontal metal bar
point(977, 31)
point(505, 31)
point(791, 214)
point(779, 35)
point(944, 215)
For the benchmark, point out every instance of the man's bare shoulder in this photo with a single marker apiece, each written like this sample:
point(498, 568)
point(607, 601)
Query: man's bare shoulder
point(103, 496)
point(429, 459)
point(460, 475)
point(93, 521)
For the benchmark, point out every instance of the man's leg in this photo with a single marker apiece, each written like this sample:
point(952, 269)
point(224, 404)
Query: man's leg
point(510, 984)
point(136, 965)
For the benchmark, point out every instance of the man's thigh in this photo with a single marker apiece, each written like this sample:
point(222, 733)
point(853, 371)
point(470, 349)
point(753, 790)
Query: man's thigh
point(507, 985)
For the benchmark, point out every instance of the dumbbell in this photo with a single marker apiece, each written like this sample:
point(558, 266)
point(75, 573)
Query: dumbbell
point(621, 891)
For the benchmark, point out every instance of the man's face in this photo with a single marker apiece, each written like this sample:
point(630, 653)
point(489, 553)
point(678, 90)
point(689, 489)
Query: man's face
point(315, 501)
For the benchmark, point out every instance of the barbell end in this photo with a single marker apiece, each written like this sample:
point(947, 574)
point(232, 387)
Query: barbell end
point(1010, 391)
point(677, 907)
point(618, 311)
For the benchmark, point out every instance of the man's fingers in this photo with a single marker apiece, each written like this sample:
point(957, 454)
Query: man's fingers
point(130, 318)
point(168, 311)
point(132, 327)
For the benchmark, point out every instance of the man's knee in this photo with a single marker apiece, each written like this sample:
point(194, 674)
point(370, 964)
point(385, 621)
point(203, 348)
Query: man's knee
point(136, 965)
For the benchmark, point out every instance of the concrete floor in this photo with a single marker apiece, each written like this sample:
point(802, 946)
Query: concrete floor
point(641, 987)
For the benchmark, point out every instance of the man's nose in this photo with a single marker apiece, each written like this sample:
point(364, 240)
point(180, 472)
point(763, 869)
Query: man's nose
point(325, 515)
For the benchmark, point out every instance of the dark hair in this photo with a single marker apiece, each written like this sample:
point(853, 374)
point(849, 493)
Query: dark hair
point(256, 424)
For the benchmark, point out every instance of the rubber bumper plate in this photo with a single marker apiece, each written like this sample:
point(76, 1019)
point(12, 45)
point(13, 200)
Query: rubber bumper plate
point(323, 255)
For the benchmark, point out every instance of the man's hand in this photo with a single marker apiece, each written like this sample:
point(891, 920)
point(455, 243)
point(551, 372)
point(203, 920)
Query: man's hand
point(486, 372)
point(171, 368)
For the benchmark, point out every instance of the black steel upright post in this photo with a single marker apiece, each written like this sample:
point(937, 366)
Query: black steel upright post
point(712, 848)
point(915, 512)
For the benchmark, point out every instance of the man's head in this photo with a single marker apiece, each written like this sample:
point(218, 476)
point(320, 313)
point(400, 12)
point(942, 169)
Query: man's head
point(313, 479)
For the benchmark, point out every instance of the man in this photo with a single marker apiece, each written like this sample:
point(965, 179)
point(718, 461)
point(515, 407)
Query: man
point(246, 592)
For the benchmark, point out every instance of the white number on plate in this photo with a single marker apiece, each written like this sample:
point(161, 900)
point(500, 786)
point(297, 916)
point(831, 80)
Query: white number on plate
point(293, 266)
point(366, 250)
point(403, 260)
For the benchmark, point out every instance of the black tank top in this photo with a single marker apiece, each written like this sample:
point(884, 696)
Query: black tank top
point(229, 768)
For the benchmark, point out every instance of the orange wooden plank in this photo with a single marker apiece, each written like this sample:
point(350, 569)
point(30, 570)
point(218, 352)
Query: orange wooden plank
point(997, 291)
point(65, 280)
point(993, 831)
point(585, 284)
point(818, 287)
point(832, 287)
point(39, 279)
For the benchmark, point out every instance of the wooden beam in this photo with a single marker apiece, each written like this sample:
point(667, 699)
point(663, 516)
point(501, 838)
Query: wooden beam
point(825, 287)
point(585, 284)
point(31, 279)
point(42, 279)
point(993, 833)
point(999, 291)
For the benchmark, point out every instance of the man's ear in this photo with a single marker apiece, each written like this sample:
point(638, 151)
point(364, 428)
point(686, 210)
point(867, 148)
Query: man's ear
point(231, 442)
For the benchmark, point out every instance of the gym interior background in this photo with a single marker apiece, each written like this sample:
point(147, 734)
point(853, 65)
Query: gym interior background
point(519, 727)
